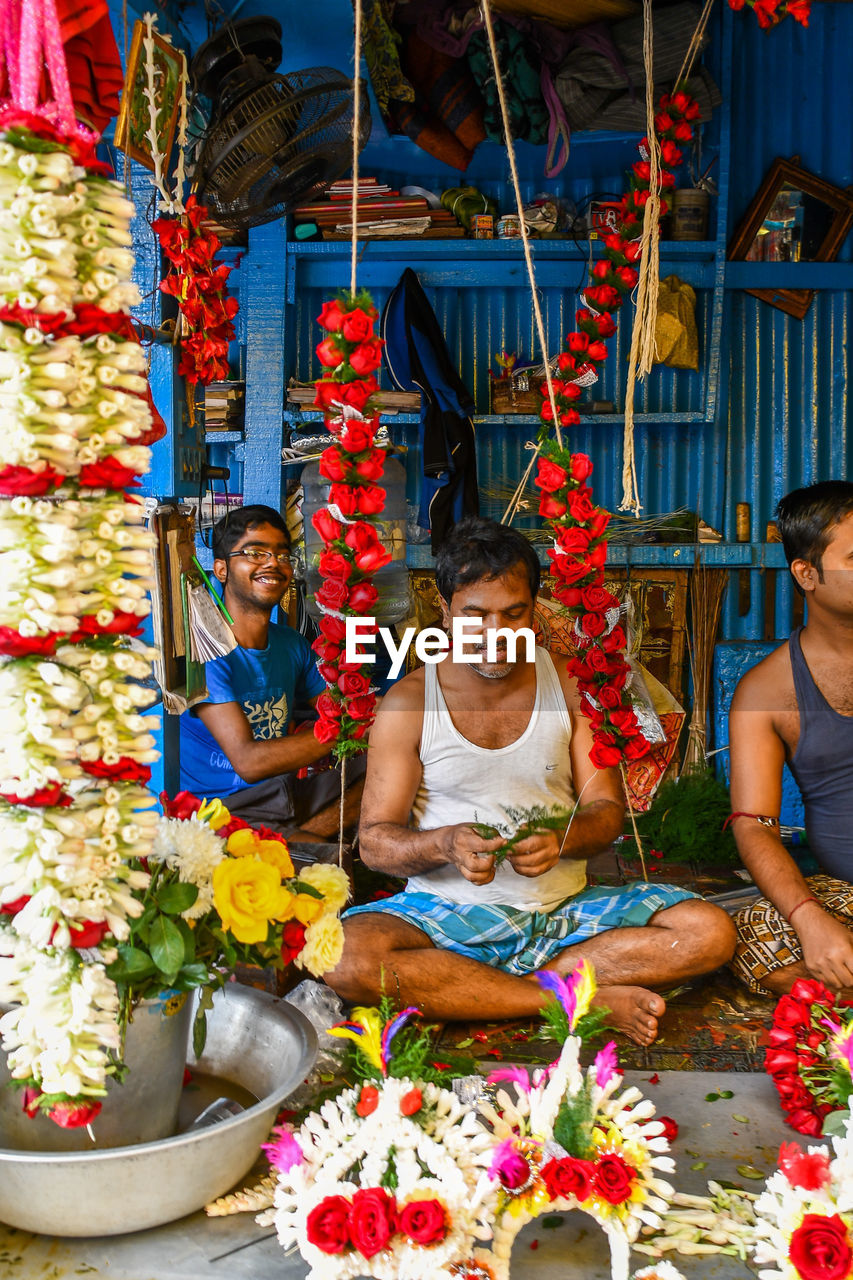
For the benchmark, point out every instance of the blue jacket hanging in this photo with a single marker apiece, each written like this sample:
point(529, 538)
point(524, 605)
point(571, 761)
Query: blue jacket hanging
point(417, 358)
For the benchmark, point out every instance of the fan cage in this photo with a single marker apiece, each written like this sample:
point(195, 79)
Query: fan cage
point(281, 145)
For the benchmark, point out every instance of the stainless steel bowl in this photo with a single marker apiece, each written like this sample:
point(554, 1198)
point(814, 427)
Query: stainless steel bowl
point(262, 1044)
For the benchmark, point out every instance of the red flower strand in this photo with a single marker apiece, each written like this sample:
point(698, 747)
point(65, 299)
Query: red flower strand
point(200, 288)
point(580, 550)
point(771, 12)
point(352, 548)
point(796, 1059)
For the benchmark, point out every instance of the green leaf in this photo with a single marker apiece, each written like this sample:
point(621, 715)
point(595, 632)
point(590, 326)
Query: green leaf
point(205, 1002)
point(712, 1097)
point(553, 1220)
point(302, 886)
point(132, 965)
point(175, 898)
point(835, 1123)
point(192, 975)
point(750, 1171)
point(726, 1093)
point(740, 1119)
point(464, 1044)
point(700, 1164)
point(167, 945)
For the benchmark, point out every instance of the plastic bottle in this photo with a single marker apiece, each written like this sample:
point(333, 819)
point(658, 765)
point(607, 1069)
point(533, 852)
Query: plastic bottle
point(392, 581)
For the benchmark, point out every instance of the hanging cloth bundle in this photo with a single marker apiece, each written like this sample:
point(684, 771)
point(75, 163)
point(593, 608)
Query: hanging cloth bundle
point(30, 40)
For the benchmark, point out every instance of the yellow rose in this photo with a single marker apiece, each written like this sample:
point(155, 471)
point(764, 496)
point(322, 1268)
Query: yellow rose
point(242, 843)
point(275, 853)
point(214, 813)
point(331, 881)
point(288, 901)
point(247, 894)
point(324, 944)
point(305, 908)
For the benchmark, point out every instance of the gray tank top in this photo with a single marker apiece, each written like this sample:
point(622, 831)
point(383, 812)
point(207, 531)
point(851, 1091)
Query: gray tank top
point(823, 768)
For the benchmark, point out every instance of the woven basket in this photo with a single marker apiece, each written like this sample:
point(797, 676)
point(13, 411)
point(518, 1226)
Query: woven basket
point(508, 396)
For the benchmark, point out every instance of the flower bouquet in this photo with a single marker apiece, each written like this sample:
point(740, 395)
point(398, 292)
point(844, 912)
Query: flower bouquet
point(396, 1178)
point(809, 1055)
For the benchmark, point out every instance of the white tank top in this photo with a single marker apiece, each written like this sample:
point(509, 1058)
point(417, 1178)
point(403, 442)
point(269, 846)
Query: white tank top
point(465, 783)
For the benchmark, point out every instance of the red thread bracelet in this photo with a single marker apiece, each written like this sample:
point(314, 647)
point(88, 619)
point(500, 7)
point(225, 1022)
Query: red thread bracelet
point(802, 903)
point(759, 817)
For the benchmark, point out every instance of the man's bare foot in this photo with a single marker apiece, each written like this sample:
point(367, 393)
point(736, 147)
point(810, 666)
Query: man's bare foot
point(634, 1011)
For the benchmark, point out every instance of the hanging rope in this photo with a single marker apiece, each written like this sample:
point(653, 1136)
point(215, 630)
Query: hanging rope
point(356, 106)
point(695, 46)
point(642, 353)
point(528, 257)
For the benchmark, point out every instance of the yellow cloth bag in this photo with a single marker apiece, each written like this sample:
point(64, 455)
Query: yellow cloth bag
point(676, 339)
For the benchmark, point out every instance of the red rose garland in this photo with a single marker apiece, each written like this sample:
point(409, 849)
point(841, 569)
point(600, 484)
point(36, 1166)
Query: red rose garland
point(352, 548)
point(200, 288)
point(771, 12)
point(580, 548)
point(796, 1059)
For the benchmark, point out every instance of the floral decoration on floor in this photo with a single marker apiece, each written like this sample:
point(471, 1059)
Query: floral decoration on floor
point(350, 523)
point(398, 1178)
point(578, 525)
point(808, 1059)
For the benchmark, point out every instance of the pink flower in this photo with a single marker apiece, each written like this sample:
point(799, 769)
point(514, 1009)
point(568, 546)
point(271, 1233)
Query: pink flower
point(285, 1152)
point(606, 1064)
point(806, 1169)
point(509, 1166)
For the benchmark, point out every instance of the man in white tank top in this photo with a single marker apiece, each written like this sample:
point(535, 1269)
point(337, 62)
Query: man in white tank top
point(457, 743)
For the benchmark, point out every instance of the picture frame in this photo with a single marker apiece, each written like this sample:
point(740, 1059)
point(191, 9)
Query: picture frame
point(794, 216)
point(133, 119)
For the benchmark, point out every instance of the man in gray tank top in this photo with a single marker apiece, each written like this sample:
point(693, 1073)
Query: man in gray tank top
point(457, 744)
point(796, 707)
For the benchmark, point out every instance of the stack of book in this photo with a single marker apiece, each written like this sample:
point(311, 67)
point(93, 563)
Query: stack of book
point(224, 406)
point(380, 213)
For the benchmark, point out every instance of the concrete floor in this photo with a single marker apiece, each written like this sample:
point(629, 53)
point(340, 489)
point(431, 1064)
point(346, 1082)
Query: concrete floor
point(199, 1248)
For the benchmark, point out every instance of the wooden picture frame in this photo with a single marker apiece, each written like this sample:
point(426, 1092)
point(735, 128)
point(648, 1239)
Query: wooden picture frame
point(133, 118)
point(810, 218)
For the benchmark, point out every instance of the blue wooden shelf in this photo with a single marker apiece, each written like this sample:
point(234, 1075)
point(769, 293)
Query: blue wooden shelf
point(712, 555)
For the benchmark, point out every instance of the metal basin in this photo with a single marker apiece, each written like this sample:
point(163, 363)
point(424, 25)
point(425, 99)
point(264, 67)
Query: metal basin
point(262, 1044)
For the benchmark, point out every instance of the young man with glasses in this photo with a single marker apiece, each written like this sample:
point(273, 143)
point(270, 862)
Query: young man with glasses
point(235, 744)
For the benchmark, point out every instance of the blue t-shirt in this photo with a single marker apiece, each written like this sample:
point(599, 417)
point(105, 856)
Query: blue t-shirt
point(266, 683)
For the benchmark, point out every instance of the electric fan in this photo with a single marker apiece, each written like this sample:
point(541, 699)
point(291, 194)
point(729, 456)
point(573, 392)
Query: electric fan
point(273, 141)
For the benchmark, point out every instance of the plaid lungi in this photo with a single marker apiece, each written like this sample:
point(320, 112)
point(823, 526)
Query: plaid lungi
point(765, 940)
point(521, 941)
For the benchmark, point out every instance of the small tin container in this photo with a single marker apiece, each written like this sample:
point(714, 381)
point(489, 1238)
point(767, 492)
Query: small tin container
point(509, 227)
point(482, 226)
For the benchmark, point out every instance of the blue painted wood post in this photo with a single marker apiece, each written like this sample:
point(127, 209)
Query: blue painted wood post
point(262, 293)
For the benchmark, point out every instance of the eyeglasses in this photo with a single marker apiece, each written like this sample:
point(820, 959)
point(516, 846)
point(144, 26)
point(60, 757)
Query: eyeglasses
point(258, 555)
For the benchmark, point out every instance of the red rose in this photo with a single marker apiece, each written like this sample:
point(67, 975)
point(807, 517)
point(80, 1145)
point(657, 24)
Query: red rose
point(328, 707)
point(598, 349)
point(357, 436)
point(331, 315)
point(614, 641)
point(183, 806)
point(17, 904)
point(597, 599)
point(73, 1115)
point(356, 394)
point(810, 991)
point(598, 523)
point(372, 1219)
point(362, 707)
point(334, 465)
point(292, 940)
point(372, 467)
point(670, 154)
point(670, 1128)
point(107, 473)
point(411, 1102)
point(636, 748)
point(328, 353)
point(334, 629)
point(550, 477)
point(575, 542)
point(780, 1061)
point(14, 645)
point(368, 1100)
point(333, 565)
point(357, 325)
point(369, 500)
point(125, 769)
point(326, 392)
point(353, 684)
point(580, 507)
point(612, 1179)
point(625, 721)
point(550, 507)
point(423, 1221)
point(792, 1013)
point(807, 1122)
point(568, 1177)
point(327, 1225)
point(333, 594)
point(372, 558)
point(581, 467)
point(363, 597)
point(609, 697)
point(593, 624)
point(87, 933)
point(326, 730)
point(29, 481)
point(603, 757)
point(566, 567)
point(820, 1248)
point(326, 525)
point(366, 357)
